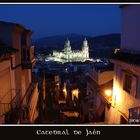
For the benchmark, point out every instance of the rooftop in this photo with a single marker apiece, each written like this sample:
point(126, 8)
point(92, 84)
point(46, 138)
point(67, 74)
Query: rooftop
point(127, 56)
point(12, 25)
point(6, 51)
point(101, 66)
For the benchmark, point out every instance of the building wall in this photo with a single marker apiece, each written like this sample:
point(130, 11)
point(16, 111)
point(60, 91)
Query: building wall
point(112, 116)
point(33, 114)
point(5, 81)
point(26, 82)
point(130, 29)
point(18, 75)
point(16, 43)
point(99, 78)
point(105, 77)
point(93, 74)
point(123, 100)
point(12, 76)
point(91, 93)
point(7, 86)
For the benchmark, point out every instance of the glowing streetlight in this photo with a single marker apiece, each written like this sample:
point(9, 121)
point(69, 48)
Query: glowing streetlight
point(65, 91)
point(108, 92)
point(75, 93)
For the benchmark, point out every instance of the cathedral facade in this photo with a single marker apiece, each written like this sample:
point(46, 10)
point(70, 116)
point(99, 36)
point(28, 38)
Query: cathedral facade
point(69, 55)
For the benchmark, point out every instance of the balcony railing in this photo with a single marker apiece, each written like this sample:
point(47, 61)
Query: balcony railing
point(31, 97)
point(9, 100)
point(13, 109)
point(33, 103)
point(134, 115)
point(8, 103)
point(28, 58)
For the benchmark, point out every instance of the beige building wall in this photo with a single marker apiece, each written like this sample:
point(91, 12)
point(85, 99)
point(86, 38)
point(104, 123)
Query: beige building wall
point(18, 75)
point(26, 82)
point(16, 38)
point(122, 100)
point(12, 76)
point(5, 83)
point(112, 116)
point(105, 77)
point(7, 87)
point(33, 114)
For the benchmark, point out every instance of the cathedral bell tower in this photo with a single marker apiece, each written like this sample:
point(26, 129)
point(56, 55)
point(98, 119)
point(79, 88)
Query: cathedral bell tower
point(67, 50)
point(85, 49)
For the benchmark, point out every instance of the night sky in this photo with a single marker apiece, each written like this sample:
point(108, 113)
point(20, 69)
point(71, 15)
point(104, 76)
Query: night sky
point(49, 19)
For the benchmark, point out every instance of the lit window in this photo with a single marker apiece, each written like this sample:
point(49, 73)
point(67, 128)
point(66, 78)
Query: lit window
point(127, 83)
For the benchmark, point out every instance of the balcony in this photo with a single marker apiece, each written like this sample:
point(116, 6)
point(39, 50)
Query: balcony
point(5, 52)
point(28, 58)
point(29, 111)
point(33, 113)
point(134, 115)
point(12, 109)
point(9, 102)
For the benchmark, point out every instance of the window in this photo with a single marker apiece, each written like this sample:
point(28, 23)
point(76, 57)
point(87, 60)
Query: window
point(127, 83)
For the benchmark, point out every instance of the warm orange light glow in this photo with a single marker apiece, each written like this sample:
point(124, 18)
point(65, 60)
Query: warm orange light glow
point(108, 92)
point(116, 95)
point(65, 91)
point(75, 93)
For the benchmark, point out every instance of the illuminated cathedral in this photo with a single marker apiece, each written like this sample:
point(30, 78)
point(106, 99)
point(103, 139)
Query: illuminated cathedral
point(69, 55)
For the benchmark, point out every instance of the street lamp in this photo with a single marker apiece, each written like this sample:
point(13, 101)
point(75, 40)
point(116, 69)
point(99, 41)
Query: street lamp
point(108, 92)
point(108, 95)
point(75, 93)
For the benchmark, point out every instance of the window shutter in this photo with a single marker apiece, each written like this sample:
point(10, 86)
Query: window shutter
point(133, 86)
point(122, 78)
point(138, 88)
